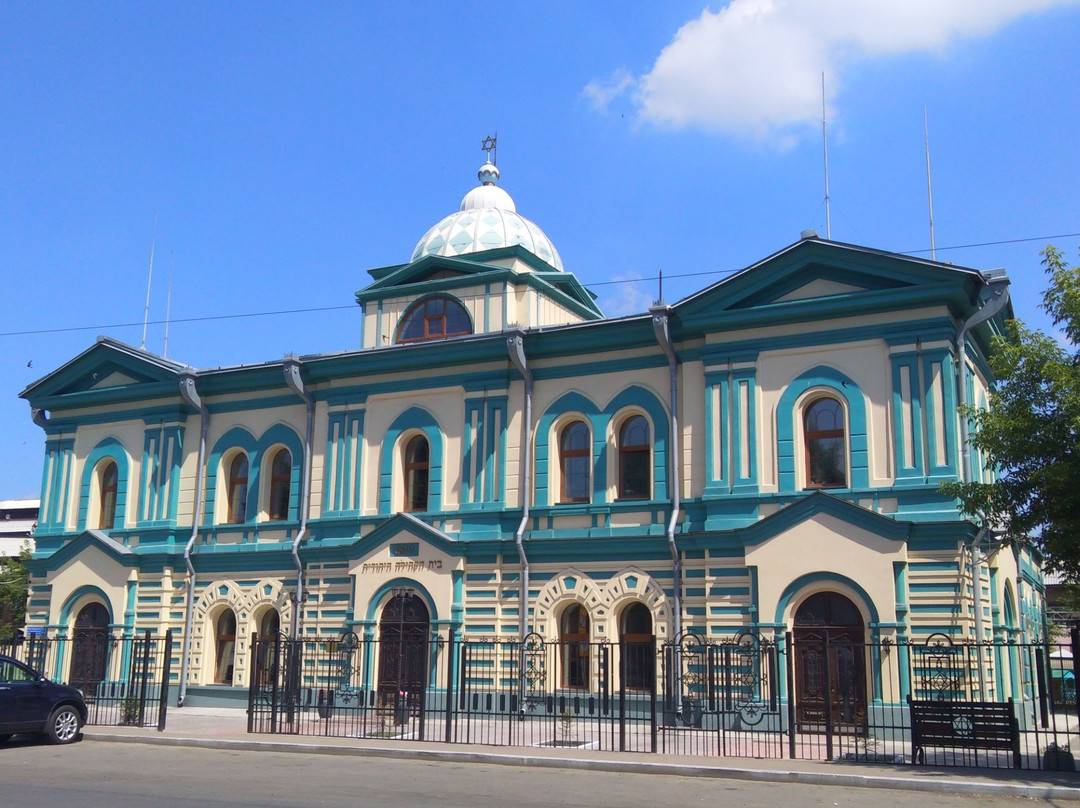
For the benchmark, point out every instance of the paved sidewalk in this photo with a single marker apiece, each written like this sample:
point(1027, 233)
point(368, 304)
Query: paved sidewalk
point(227, 729)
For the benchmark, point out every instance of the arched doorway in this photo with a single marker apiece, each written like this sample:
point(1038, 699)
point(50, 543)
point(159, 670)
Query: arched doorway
point(830, 665)
point(90, 649)
point(403, 653)
point(638, 647)
point(574, 646)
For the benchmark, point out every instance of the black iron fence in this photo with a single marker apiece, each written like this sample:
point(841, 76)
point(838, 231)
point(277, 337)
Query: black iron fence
point(123, 677)
point(809, 697)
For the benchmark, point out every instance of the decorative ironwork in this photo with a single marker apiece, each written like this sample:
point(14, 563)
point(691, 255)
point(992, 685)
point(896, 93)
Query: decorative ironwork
point(534, 672)
point(939, 666)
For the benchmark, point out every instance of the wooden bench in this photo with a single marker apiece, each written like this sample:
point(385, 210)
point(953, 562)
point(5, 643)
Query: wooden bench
point(968, 725)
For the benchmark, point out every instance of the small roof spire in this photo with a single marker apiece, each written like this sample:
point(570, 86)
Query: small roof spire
point(490, 145)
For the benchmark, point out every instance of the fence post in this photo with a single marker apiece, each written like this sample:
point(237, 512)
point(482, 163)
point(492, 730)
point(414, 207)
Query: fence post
point(652, 696)
point(144, 675)
point(252, 682)
point(451, 646)
point(789, 669)
point(166, 674)
point(827, 689)
point(1074, 635)
point(622, 694)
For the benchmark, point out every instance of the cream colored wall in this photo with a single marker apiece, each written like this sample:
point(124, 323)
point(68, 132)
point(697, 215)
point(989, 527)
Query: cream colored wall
point(866, 363)
point(826, 544)
point(92, 567)
point(130, 434)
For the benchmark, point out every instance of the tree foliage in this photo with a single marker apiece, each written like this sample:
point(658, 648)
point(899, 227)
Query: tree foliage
point(1031, 430)
point(14, 582)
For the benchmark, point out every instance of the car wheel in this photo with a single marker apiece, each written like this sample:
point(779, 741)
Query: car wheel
point(5, 736)
point(63, 725)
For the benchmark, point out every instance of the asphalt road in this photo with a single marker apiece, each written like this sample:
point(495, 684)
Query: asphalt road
point(106, 775)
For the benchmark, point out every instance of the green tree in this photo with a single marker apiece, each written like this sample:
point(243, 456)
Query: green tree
point(14, 583)
point(1031, 430)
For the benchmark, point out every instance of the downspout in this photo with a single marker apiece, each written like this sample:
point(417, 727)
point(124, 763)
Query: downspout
point(999, 297)
point(296, 384)
point(515, 345)
point(190, 397)
point(660, 316)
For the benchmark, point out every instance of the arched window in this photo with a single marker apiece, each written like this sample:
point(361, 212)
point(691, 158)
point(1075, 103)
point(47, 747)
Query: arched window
point(269, 626)
point(434, 318)
point(575, 462)
point(574, 646)
point(826, 444)
point(280, 485)
point(635, 479)
point(417, 468)
point(238, 489)
point(107, 496)
point(225, 645)
point(637, 646)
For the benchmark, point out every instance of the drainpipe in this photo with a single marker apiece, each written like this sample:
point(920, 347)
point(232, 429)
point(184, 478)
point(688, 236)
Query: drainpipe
point(660, 315)
point(38, 416)
point(296, 384)
point(190, 397)
point(515, 345)
point(999, 297)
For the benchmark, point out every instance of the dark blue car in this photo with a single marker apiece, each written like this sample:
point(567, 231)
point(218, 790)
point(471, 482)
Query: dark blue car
point(31, 703)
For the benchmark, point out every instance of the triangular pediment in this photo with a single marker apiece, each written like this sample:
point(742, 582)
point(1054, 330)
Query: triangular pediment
point(820, 504)
point(822, 278)
point(91, 539)
point(404, 529)
point(101, 372)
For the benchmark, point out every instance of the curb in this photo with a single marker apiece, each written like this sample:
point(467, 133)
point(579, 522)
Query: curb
point(948, 786)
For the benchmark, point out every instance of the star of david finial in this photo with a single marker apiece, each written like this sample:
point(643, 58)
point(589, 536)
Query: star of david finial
point(489, 145)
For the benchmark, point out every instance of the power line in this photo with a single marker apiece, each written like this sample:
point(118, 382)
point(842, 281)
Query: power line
point(354, 307)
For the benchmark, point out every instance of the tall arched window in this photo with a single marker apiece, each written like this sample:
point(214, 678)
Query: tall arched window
point(107, 496)
point(574, 646)
point(280, 485)
point(238, 489)
point(575, 462)
point(434, 318)
point(417, 469)
point(635, 478)
point(637, 646)
point(269, 626)
point(826, 444)
point(225, 647)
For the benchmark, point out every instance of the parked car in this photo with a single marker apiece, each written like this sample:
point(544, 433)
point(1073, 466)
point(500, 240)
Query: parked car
point(31, 703)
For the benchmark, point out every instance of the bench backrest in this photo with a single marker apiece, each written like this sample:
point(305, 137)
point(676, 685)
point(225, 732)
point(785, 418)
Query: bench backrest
point(978, 724)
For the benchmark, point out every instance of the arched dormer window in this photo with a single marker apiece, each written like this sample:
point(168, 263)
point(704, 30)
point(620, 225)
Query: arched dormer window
point(434, 318)
point(635, 457)
point(825, 440)
point(280, 485)
point(109, 483)
point(416, 468)
point(575, 462)
point(238, 489)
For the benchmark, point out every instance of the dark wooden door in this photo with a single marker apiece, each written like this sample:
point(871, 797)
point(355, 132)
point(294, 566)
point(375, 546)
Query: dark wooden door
point(830, 665)
point(90, 649)
point(403, 652)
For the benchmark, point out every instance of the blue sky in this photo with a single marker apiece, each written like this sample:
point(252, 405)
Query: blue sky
point(286, 148)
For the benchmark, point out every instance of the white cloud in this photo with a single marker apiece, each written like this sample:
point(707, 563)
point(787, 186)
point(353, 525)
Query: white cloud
point(629, 295)
point(754, 67)
point(601, 92)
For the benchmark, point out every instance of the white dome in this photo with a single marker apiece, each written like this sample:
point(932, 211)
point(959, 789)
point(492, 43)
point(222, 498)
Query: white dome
point(487, 220)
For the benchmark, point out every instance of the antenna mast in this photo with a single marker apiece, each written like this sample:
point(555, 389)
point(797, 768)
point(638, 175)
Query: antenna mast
point(149, 278)
point(929, 191)
point(168, 305)
point(825, 143)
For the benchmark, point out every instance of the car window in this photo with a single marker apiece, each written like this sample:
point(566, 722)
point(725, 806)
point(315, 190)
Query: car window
point(10, 672)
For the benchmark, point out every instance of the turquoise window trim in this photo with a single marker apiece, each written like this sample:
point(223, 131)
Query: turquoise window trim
point(256, 451)
point(942, 421)
point(420, 301)
point(55, 482)
point(495, 484)
point(112, 449)
point(804, 581)
point(86, 590)
point(846, 390)
point(281, 435)
point(420, 420)
point(386, 590)
point(917, 471)
point(635, 397)
point(547, 445)
point(747, 484)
